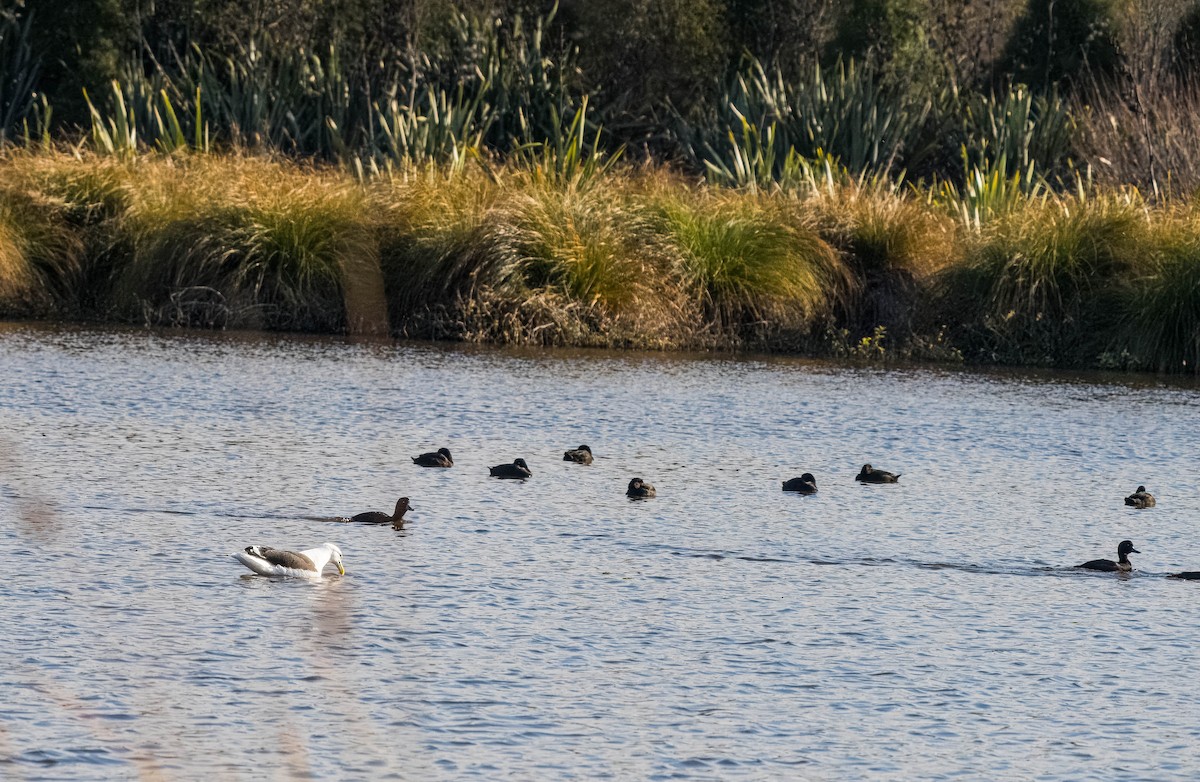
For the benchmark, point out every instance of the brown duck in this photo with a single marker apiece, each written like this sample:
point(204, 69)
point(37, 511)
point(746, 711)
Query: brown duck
point(639, 489)
point(377, 517)
point(439, 458)
point(1140, 498)
point(580, 455)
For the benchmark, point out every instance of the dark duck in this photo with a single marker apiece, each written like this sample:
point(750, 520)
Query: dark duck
point(869, 474)
point(377, 517)
point(518, 469)
point(805, 484)
point(1122, 565)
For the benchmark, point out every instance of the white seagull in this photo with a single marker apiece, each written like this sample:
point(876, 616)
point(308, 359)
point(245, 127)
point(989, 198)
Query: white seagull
point(267, 561)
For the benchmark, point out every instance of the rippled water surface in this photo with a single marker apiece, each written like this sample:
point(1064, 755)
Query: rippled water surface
point(553, 629)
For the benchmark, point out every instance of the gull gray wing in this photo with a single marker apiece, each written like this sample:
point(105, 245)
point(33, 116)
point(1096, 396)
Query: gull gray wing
point(289, 559)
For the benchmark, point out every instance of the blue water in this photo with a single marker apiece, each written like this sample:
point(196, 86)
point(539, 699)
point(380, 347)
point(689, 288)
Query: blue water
point(553, 629)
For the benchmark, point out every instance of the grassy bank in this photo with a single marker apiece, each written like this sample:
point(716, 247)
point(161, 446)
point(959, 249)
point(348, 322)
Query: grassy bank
point(621, 256)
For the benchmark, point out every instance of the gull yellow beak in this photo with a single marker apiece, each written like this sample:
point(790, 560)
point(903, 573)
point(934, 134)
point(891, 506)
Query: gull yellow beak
point(341, 570)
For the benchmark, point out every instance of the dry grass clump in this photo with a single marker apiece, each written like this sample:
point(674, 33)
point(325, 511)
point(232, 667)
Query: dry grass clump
point(92, 189)
point(894, 243)
point(94, 193)
point(430, 224)
point(1039, 283)
point(584, 265)
point(244, 243)
point(513, 258)
point(756, 270)
point(195, 240)
point(1158, 324)
point(40, 253)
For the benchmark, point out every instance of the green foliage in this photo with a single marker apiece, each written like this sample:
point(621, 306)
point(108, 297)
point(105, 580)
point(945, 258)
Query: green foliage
point(1059, 41)
point(1038, 283)
point(642, 55)
point(988, 192)
point(1027, 131)
point(567, 157)
point(750, 265)
point(891, 35)
point(790, 33)
point(531, 86)
point(843, 112)
point(82, 44)
point(1159, 327)
point(504, 91)
point(445, 129)
point(869, 348)
point(19, 69)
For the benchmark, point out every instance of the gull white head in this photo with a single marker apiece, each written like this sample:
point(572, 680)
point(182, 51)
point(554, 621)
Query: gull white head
point(335, 557)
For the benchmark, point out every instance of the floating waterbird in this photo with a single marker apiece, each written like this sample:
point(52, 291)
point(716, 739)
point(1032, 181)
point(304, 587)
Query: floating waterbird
point(580, 455)
point(869, 474)
point(376, 517)
point(267, 561)
point(639, 489)
point(439, 458)
point(805, 484)
point(1122, 564)
point(1140, 498)
point(518, 469)
point(1188, 575)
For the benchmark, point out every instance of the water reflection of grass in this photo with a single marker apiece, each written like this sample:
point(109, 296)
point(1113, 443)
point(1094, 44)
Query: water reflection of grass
point(626, 257)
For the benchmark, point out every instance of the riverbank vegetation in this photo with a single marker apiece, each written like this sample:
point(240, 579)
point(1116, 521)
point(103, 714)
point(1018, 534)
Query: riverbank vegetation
point(892, 178)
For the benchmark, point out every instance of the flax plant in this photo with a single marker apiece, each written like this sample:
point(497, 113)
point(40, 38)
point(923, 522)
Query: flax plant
point(844, 111)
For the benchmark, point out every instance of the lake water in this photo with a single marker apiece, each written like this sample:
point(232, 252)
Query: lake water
point(553, 629)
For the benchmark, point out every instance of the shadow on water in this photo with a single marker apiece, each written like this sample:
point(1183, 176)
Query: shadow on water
point(42, 514)
point(36, 512)
point(1057, 571)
